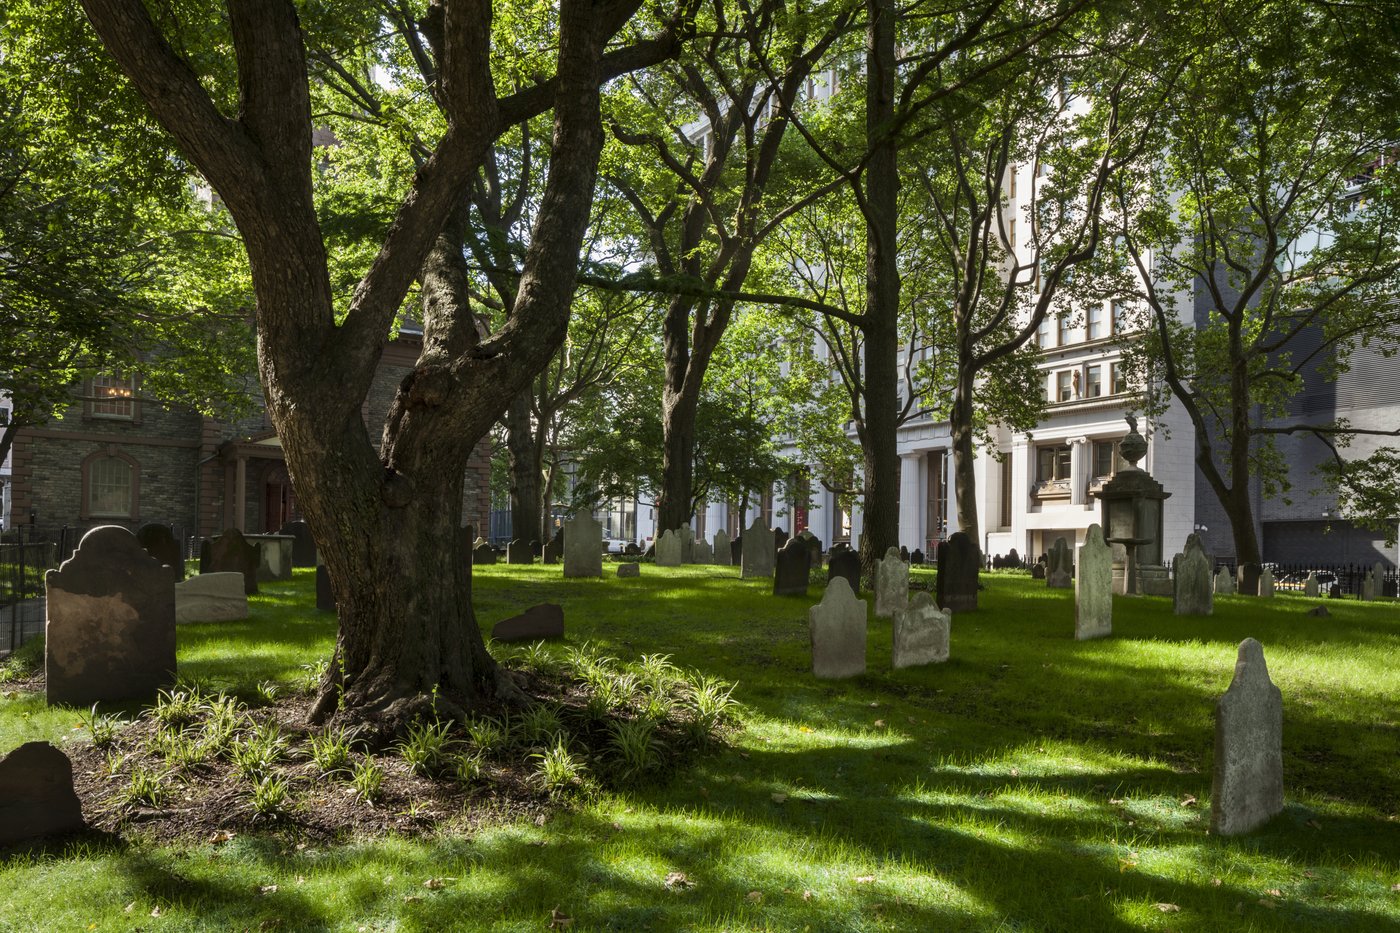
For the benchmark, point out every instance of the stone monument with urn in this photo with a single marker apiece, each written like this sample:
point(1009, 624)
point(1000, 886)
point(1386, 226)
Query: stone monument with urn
point(1131, 517)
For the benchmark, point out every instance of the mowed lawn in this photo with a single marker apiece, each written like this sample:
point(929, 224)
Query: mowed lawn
point(1030, 783)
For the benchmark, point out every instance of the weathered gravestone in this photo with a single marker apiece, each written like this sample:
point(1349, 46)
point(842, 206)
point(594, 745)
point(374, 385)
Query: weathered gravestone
point(483, 553)
point(1310, 589)
point(1037, 571)
point(231, 553)
point(274, 556)
point(668, 549)
point(957, 574)
point(917, 557)
point(780, 538)
point(583, 547)
point(1319, 612)
point(536, 548)
point(920, 633)
point(1060, 574)
point(837, 628)
point(110, 633)
point(845, 562)
point(791, 569)
point(211, 597)
point(686, 535)
point(1247, 774)
point(1093, 587)
point(159, 542)
point(1247, 579)
point(723, 556)
point(629, 569)
point(1224, 583)
point(1013, 559)
point(553, 550)
point(758, 553)
point(36, 795)
point(325, 596)
point(891, 585)
point(1266, 584)
point(543, 621)
point(904, 553)
point(518, 552)
point(736, 552)
point(1192, 595)
point(303, 544)
point(703, 554)
point(631, 550)
point(814, 547)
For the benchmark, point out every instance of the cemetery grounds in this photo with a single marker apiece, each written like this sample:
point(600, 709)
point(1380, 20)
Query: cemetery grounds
point(1030, 783)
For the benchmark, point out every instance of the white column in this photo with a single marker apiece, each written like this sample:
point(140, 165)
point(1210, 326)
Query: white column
point(1020, 466)
point(1078, 469)
point(950, 484)
point(911, 512)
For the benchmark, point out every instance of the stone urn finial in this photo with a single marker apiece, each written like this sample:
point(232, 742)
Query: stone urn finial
point(1134, 446)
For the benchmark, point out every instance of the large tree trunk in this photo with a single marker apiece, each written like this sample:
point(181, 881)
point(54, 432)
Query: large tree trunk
point(678, 412)
point(1239, 504)
point(526, 517)
point(965, 458)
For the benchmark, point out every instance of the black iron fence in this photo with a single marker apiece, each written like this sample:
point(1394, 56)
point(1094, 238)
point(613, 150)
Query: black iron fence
point(1346, 577)
point(23, 562)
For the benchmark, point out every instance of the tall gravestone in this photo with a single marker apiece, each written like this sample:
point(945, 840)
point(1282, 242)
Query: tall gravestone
point(723, 557)
point(230, 552)
point(1266, 584)
point(274, 556)
point(814, 546)
point(668, 549)
point(303, 544)
point(921, 633)
point(1310, 588)
point(837, 629)
point(110, 633)
point(957, 574)
point(36, 795)
point(780, 538)
point(211, 597)
point(791, 569)
point(583, 547)
point(891, 585)
point(553, 550)
point(1247, 579)
point(686, 535)
point(1247, 774)
point(1093, 587)
point(1193, 590)
point(845, 563)
point(1061, 572)
point(736, 552)
point(518, 552)
point(703, 554)
point(758, 554)
point(159, 542)
point(1224, 583)
point(483, 553)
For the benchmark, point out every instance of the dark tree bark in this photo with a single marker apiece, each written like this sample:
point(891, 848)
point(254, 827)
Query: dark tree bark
point(526, 513)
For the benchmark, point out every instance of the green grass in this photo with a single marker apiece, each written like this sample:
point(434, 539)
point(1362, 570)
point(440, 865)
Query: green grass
point(1031, 783)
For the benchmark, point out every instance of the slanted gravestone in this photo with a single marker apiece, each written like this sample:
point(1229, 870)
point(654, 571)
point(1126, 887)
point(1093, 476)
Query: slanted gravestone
point(723, 555)
point(325, 596)
point(1193, 591)
point(845, 563)
point(791, 569)
point(686, 535)
point(1310, 589)
point(1093, 587)
point(1224, 583)
point(703, 554)
point(1060, 575)
point(780, 538)
point(1247, 774)
point(543, 621)
point(736, 552)
point(583, 546)
point(211, 597)
point(553, 550)
point(303, 544)
point(231, 553)
point(758, 552)
point(837, 628)
point(518, 552)
point(482, 553)
point(1038, 571)
point(1247, 579)
point(957, 574)
point(668, 549)
point(891, 585)
point(36, 795)
point(1266, 584)
point(110, 633)
point(814, 547)
point(920, 633)
point(159, 542)
point(629, 569)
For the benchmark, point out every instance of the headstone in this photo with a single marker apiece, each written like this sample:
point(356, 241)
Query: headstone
point(736, 552)
point(230, 553)
point(814, 547)
point(629, 569)
point(1334, 591)
point(668, 549)
point(1013, 559)
point(891, 585)
point(686, 535)
point(1247, 775)
point(780, 538)
point(1377, 577)
point(303, 544)
point(274, 556)
point(845, 563)
point(1266, 584)
point(1193, 595)
point(723, 555)
point(482, 553)
point(920, 633)
point(536, 549)
point(758, 552)
point(159, 542)
point(543, 621)
point(957, 574)
point(1247, 579)
point(1060, 574)
point(518, 552)
point(1224, 583)
point(211, 597)
point(631, 550)
point(837, 628)
point(1310, 589)
point(1037, 571)
point(792, 568)
point(1319, 612)
point(553, 550)
point(904, 553)
point(110, 633)
point(917, 558)
point(36, 795)
point(1093, 587)
point(583, 546)
point(703, 554)
point(325, 596)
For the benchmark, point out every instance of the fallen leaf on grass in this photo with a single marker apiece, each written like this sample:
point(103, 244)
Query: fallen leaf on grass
point(780, 797)
point(1215, 882)
point(540, 842)
point(677, 879)
point(754, 897)
point(412, 899)
point(155, 912)
point(807, 895)
point(807, 729)
point(1274, 892)
point(1116, 802)
point(1188, 801)
point(1015, 772)
point(1168, 908)
point(541, 820)
point(266, 889)
point(865, 879)
point(434, 884)
point(219, 837)
point(1395, 888)
point(559, 921)
point(879, 724)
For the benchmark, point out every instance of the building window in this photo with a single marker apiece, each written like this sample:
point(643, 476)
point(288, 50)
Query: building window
point(1118, 383)
point(1064, 328)
point(1107, 459)
point(1042, 333)
point(1012, 173)
point(1119, 311)
point(109, 485)
point(1006, 490)
point(1052, 470)
point(1093, 381)
point(1093, 322)
point(1011, 230)
point(1064, 386)
point(113, 396)
point(936, 507)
